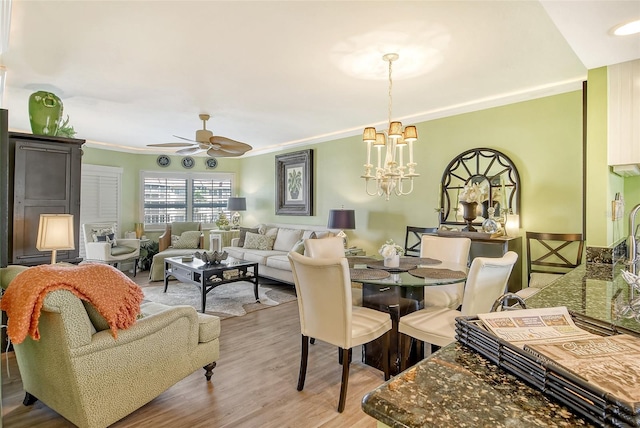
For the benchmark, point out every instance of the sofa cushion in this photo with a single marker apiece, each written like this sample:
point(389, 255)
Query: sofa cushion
point(324, 234)
point(122, 250)
point(260, 256)
point(298, 247)
point(188, 239)
point(243, 233)
point(286, 239)
point(279, 262)
point(104, 234)
point(256, 241)
point(235, 252)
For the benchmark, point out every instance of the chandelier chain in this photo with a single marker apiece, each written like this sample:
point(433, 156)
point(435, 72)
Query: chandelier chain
point(390, 91)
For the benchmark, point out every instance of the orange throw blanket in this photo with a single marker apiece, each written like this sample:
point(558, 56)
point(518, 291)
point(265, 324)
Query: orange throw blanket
point(116, 297)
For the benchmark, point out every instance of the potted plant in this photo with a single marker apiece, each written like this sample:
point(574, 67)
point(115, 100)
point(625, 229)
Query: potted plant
point(391, 253)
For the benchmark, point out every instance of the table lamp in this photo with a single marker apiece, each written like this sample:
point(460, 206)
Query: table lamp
point(342, 219)
point(236, 204)
point(55, 232)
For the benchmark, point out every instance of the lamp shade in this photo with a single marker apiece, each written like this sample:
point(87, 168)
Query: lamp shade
point(55, 232)
point(237, 204)
point(342, 219)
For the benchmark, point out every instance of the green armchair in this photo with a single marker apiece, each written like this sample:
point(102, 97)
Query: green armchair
point(80, 371)
point(169, 245)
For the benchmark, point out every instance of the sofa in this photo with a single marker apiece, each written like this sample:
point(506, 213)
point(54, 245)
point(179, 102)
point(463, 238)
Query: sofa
point(271, 247)
point(80, 371)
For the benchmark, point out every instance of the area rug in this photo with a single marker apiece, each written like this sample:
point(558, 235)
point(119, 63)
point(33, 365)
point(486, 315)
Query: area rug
point(227, 300)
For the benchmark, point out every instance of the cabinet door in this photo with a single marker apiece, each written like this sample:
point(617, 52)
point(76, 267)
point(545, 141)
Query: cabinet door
point(46, 181)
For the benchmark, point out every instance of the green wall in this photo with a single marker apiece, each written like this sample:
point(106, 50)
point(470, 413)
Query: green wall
point(132, 164)
point(543, 137)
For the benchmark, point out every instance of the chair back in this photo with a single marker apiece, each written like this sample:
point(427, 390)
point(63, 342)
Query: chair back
point(323, 288)
point(486, 281)
point(89, 229)
point(454, 250)
point(553, 252)
point(413, 239)
point(324, 248)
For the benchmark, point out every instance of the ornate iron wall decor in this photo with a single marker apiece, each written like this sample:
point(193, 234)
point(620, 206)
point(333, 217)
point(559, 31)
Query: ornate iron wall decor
point(491, 170)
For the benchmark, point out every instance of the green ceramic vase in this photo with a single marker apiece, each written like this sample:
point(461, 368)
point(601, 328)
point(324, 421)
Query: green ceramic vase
point(45, 113)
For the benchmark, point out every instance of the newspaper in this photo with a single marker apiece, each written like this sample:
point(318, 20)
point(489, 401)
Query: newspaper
point(545, 325)
point(612, 363)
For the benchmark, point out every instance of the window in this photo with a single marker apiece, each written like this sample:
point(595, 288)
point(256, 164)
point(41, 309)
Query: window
point(174, 196)
point(100, 196)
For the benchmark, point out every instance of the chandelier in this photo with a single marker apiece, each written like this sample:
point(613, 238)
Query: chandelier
point(391, 174)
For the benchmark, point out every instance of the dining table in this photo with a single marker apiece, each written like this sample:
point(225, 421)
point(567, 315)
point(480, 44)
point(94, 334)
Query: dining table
point(398, 291)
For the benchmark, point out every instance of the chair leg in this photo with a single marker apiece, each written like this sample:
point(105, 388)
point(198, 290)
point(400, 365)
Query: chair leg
point(209, 370)
point(303, 361)
point(405, 353)
point(135, 267)
point(340, 357)
point(386, 341)
point(345, 378)
point(313, 340)
point(29, 399)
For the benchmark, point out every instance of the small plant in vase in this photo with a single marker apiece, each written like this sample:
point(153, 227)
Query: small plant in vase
point(223, 222)
point(471, 195)
point(391, 253)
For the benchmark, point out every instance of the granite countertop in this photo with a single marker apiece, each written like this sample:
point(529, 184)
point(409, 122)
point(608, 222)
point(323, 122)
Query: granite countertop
point(455, 387)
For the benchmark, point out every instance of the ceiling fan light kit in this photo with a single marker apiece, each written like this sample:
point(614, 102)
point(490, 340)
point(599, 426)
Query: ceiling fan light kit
point(213, 145)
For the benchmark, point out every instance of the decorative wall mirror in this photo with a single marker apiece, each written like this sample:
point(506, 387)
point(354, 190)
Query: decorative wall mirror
point(496, 177)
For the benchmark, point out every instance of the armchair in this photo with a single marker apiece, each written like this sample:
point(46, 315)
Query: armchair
point(102, 244)
point(80, 371)
point(169, 245)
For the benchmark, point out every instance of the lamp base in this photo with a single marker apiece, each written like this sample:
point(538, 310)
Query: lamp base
point(345, 239)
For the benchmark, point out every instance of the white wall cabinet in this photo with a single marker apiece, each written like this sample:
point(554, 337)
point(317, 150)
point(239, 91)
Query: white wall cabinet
point(624, 114)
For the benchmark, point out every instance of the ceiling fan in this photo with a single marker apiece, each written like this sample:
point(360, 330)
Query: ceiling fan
point(205, 141)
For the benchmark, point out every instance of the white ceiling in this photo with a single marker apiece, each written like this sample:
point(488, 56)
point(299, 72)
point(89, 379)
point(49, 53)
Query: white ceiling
point(280, 74)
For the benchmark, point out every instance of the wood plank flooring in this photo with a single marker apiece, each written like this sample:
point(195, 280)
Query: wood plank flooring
point(253, 385)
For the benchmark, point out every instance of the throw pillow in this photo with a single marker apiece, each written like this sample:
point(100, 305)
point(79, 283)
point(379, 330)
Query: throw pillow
point(255, 241)
point(298, 247)
point(308, 234)
point(188, 240)
point(286, 238)
point(243, 233)
point(104, 234)
point(271, 231)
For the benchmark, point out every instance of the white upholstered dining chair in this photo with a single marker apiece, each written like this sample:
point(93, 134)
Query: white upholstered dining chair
point(327, 248)
point(453, 250)
point(323, 288)
point(486, 282)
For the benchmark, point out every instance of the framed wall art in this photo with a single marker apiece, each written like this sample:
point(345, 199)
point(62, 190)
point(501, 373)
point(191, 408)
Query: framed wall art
point(294, 183)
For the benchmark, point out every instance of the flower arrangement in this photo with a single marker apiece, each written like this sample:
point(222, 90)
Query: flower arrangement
point(473, 192)
point(222, 222)
point(390, 249)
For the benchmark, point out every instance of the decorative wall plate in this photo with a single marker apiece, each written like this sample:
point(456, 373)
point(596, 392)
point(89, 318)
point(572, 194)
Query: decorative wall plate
point(188, 162)
point(163, 161)
point(212, 163)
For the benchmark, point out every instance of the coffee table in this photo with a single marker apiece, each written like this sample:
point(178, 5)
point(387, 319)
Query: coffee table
point(208, 276)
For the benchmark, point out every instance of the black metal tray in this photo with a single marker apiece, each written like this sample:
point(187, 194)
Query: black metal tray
point(585, 399)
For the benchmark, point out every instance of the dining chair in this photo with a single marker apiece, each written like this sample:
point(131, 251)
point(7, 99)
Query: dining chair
point(549, 256)
point(327, 248)
point(323, 288)
point(413, 239)
point(453, 250)
point(486, 282)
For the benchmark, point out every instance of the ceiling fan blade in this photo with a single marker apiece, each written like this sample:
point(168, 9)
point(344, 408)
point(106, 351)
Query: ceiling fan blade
point(230, 145)
point(190, 151)
point(183, 138)
point(170, 145)
point(217, 153)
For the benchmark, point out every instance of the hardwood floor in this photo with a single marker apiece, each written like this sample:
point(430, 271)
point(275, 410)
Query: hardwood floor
point(253, 385)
